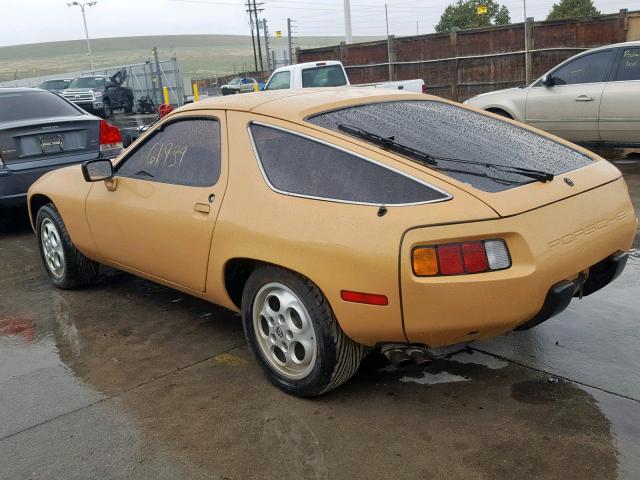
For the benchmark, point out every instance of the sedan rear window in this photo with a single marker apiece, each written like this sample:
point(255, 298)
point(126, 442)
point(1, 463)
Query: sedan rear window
point(328, 76)
point(448, 131)
point(16, 106)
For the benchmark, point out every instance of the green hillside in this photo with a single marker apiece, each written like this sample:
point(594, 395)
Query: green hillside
point(199, 55)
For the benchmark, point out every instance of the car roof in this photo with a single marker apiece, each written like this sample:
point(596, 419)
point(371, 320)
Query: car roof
point(296, 105)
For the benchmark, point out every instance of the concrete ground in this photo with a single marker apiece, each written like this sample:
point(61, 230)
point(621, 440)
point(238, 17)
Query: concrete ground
point(128, 379)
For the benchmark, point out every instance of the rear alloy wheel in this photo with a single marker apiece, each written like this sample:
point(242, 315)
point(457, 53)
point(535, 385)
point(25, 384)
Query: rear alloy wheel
point(294, 335)
point(66, 266)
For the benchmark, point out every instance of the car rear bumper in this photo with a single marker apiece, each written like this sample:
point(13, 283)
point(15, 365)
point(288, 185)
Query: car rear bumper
point(554, 249)
point(14, 181)
point(559, 296)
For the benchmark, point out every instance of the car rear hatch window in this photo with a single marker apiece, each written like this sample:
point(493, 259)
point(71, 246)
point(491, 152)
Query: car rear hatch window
point(446, 131)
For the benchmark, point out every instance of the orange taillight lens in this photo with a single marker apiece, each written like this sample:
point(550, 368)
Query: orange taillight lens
point(425, 262)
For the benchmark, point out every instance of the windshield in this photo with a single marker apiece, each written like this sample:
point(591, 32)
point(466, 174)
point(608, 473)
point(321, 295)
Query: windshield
point(88, 82)
point(448, 131)
point(235, 81)
point(329, 76)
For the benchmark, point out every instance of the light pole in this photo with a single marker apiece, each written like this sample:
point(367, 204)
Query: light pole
point(84, 20)
point(348, 38)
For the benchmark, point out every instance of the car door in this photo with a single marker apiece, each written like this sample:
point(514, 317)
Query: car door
point(620, 106)
point(158, 213)
point(570, 107)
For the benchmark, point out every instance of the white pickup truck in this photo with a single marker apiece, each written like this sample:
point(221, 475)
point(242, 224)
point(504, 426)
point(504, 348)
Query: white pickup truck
point(330, 73)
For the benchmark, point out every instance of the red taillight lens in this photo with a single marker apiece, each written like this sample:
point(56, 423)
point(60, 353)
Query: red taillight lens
point(475, 258)
point(424, 88)
point(450, 259)
point(109, 134)
point(361, 297)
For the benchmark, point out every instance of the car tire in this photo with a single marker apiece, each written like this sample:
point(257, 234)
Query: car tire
point(66, 266)
point(128, 105)
point(294, 335)
point(106, 108)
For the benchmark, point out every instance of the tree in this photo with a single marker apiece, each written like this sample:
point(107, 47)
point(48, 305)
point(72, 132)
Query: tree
point(464, 14)
point(573, 9)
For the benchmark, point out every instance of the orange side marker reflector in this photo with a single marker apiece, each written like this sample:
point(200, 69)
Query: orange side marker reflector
point(425, 262)
point(360, 297)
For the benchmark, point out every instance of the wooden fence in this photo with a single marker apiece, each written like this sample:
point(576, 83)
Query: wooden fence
point(464, 63)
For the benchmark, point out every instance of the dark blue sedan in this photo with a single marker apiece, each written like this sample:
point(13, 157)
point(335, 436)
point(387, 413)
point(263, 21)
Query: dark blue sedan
point(39, 132)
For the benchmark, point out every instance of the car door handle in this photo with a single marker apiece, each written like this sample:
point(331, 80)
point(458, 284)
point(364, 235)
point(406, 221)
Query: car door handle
point(202, 208)
point(584, 98)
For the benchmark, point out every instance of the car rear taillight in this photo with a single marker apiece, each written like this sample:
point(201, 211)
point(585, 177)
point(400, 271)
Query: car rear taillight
point(110, 138)
point(424, 88)
point(461, 258)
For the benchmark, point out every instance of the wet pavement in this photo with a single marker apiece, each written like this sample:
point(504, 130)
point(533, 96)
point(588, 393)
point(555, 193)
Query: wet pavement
point(128, 379)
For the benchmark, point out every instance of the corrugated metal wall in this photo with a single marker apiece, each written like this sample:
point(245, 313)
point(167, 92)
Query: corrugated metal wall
point(462, 64)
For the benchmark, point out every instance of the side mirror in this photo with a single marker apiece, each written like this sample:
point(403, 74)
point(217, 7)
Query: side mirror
point(548, 80)
point(96, 170)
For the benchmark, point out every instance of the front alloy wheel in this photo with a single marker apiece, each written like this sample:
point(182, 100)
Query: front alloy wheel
point(66, 266)
point(52, 248)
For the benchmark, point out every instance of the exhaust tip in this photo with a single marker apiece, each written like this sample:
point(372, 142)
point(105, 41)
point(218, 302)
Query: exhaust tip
point(397, 357)
point(419, 357)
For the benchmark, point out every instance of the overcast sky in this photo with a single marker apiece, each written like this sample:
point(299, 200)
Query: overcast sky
point(31, 21)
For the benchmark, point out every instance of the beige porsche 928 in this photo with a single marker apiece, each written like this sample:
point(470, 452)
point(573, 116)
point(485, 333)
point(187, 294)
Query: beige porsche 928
point(342, 220)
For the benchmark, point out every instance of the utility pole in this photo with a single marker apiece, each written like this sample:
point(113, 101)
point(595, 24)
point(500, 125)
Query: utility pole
point(255, 13)
point(289, 41)
point(417, 28)
point(86, 31)
point(253, 40)
point(266, 44)
point(158, 73)
point(347, 22)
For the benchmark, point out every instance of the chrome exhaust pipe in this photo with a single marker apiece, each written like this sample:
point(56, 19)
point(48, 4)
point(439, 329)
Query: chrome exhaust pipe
point(419, 356)
point(397, 357)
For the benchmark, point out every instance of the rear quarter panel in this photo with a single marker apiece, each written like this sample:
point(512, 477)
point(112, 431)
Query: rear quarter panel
point(336, 245)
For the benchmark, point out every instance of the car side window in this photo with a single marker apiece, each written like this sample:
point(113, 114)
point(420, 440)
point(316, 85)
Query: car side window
point(280, 81)
point(182, 152)
point(298, 165)
point(591, 68)
point(629, 68)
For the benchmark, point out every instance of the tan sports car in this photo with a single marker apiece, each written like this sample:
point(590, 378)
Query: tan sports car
point(338, 221)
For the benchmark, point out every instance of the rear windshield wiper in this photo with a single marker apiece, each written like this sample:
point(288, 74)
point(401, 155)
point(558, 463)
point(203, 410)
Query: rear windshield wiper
point(389, 143)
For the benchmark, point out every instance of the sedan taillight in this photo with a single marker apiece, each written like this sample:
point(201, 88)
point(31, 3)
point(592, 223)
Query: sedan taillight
point(110, 138)
point(460, 258)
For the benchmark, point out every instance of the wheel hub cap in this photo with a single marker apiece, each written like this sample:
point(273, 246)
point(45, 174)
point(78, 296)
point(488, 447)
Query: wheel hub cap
point(284, 331)
point(52, 248)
